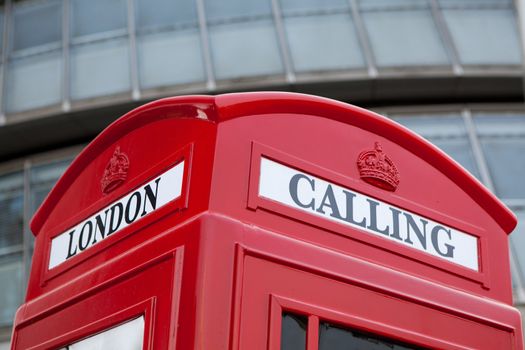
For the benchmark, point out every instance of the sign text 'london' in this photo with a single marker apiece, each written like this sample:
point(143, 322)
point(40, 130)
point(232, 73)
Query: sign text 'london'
point(118, 215)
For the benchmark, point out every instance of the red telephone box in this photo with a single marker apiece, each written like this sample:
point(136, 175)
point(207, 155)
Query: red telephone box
point(267, 221)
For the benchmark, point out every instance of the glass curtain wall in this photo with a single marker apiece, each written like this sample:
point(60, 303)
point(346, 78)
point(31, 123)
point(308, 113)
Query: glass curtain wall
point(56, 53)
point(21, 193)
point(491, 146)
point(168, 43)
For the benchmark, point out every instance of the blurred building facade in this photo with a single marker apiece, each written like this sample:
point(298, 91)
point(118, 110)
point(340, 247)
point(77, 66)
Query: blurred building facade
point(451, 70)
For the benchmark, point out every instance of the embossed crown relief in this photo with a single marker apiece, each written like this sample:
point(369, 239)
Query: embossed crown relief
point(376, 168)
point(116, 171)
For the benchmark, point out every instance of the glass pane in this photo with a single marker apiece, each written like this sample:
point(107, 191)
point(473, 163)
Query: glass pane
point(323, 42)
point(1, 28)
point(164, 13)
point(303, 6)
point(484, 35)
point(517, 242)
point(97, 16)
point(11, 293)
point(332, 337)
point(293, 332)
point(170, 58)
point(100, 69)
point(245, 49)
point(34, 81)
point(11, 209)
point(43, 178)
point(228, 9)
point(36, 23)
point(128, 336)
point(403, 37)
point(448, 132)
point(502, 139)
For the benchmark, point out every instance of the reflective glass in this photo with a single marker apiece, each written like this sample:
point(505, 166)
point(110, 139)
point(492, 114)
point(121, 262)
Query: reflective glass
point(448, 132)
point(170, 58)
point(36, 23)
point(245, 49)
point(97, 16)
point(226, 10)
point(302, 6)
point(1, 28)
point(12, 290)
point(483, 35)
point(34, 82)
point(128, 336)
point(293, 332)
point(502, 139)
point(403, 36)
point(323, 42)
point(43, 178)
point(332, 337)
point(11, 209)
point(164, 13)
point(100, 69)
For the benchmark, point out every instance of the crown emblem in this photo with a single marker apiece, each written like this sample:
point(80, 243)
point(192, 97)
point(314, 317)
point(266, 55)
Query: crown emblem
point(116, 171)
point(377, 169)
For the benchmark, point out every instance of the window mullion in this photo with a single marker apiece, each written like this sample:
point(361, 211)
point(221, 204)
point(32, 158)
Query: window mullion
point(312, 335)
point(476, 148)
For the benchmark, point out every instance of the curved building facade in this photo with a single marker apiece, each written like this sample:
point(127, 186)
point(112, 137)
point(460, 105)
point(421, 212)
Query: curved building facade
point(451, 70)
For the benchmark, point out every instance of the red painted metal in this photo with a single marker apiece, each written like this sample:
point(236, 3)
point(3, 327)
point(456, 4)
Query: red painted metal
point(214, 268)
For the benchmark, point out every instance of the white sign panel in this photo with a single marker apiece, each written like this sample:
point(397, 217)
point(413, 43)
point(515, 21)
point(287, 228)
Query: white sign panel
point(118, 215)
point(318, 197)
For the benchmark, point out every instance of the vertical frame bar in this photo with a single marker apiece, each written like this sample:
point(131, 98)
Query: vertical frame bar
point(205, 45)
point(476, 148)
point(446, 36)
point(283, 42)
point(135, 88)
point(363, 38)
point(312, 334)
point(66, 100)
point(520, 7)
point(26, 232)
point(4, 60)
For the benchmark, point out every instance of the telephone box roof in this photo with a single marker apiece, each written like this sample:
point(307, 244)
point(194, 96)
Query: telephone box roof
point(217, 109)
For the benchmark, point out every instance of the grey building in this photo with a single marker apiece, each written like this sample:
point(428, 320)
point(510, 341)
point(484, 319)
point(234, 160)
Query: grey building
point(452, 70)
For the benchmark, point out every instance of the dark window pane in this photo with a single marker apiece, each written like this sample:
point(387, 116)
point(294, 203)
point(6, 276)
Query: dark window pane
point(11, 210)
point(293, 6)
point(332, 337)
point(502, 138)
point(164, 13)
point(403, 33)
point(36, 24)
point(226, 10)
point(484, 31)
point(11, 293)
point(293, 332)
point(97, 16)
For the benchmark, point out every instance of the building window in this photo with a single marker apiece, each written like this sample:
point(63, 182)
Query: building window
point(403, 33)
point(243, 38)
point(21, 193)
point(34, 77)
point(100, 55)
point(293, 331)
point(484, 32)
point(498, 138)
point(168, 43)
point(321, 35)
